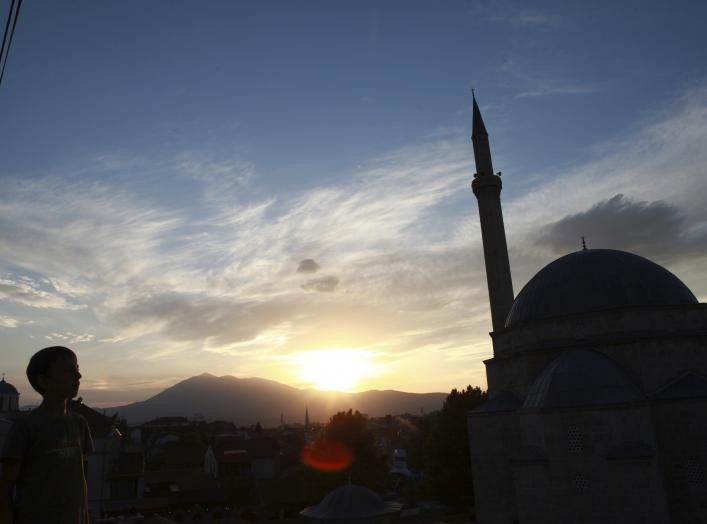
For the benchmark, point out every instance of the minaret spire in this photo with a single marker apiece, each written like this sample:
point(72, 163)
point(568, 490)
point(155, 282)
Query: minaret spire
point(480, 139)
point(487, 188)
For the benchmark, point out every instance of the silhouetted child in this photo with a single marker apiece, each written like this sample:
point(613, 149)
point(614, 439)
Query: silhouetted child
point(43, 456)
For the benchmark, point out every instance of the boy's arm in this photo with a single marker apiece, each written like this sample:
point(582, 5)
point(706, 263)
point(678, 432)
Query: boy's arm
point(9, 470)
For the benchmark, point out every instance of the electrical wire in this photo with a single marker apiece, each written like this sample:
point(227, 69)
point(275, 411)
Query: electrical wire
point(12, 34)
point(7, 27)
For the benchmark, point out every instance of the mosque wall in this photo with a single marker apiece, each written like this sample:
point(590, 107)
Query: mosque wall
point(681, 431)
point(650, 361)
point(596, 467)
point(493, 438)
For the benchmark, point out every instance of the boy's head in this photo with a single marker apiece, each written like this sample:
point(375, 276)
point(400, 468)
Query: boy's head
point(54, 370)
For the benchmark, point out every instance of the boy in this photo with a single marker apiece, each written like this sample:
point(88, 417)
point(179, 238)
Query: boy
point(43, 456)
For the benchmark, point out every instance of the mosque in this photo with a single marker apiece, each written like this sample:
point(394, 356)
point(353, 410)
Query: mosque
point(9, 397)
point(597, 409)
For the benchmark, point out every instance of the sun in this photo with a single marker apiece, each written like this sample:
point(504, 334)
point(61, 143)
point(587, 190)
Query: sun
point(336, 369)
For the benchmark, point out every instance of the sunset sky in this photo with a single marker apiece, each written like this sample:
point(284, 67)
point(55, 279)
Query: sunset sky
point(282, 189)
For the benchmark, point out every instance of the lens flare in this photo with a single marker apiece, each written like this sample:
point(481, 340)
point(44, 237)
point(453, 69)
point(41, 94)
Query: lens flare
point(327, 455)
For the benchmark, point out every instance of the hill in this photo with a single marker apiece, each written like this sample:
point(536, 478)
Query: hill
point(249, 400)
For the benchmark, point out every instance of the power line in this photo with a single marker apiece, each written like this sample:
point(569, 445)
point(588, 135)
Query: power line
point(7, 40)
point(7, 26)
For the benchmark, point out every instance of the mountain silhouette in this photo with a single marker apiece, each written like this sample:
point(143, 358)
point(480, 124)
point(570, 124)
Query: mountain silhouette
point(249, 400)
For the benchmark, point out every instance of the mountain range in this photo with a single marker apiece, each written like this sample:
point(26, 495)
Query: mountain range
point(246, 401)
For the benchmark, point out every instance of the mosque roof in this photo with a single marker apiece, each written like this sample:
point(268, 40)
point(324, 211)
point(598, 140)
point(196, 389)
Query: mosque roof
point(7, 389)
point(477, 126)
point(504, 401)
point(594, 280)
point(689, 385)
point(350, 502)
point(581, 378)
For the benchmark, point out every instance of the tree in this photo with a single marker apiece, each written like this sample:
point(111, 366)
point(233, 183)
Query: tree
point(368, 465)
point(448, 465)
point(345, 452)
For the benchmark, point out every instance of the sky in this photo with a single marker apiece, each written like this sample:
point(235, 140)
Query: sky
point(281, 189)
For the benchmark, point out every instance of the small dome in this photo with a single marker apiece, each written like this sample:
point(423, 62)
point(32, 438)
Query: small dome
point(581, 378)
point(7, 388)
point(594, 280)
point(350, 502)
point(504, 401)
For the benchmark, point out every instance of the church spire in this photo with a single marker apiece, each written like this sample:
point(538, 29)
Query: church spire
point(487, 189)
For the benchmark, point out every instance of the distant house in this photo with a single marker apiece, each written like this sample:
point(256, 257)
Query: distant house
point(235, 457)
point(167, 423)
point(127, 476)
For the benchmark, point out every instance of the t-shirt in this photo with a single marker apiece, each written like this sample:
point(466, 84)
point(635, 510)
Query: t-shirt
point(51, 486)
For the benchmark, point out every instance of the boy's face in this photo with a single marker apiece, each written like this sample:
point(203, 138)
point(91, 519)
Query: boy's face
point(62, 378)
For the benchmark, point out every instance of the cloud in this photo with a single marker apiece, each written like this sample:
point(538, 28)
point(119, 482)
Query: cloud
point(68, 336)
point(513, 13)
point(656, 229)
point(307, 266)
point(566, 89)
point(195, 317)
point(224, 277)
point(323, 285)
point(27, 292)
point(8, 322)
point(645, 192)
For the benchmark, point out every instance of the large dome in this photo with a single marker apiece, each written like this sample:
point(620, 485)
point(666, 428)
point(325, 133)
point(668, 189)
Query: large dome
point(594, 280)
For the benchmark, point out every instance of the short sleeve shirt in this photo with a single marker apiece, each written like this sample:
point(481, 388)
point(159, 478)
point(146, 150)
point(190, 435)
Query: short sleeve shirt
point(51, 486)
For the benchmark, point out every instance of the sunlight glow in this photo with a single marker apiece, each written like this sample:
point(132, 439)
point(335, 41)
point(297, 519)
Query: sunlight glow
point(335, 369)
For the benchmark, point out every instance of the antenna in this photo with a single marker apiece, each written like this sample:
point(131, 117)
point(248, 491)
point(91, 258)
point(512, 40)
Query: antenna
point(584, 244)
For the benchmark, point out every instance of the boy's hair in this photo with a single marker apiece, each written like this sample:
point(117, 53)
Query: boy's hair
point(42, 360)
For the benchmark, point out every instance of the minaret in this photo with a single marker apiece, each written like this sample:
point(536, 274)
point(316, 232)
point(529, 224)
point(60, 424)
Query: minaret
point(487, 188)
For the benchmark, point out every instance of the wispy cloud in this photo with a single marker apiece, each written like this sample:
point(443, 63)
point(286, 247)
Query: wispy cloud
point(8, 322)
point(26, 291)
point(70, 337)
point(229, 281)
point(659, 172)
point(514, 13)
point(549, 90)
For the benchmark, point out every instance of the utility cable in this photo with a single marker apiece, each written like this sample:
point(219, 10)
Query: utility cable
point(7, 26)
point(12, 34)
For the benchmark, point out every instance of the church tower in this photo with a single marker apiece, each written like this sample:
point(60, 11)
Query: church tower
point(487, 188)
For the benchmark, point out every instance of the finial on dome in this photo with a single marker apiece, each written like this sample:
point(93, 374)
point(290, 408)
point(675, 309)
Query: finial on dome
point(584, 244)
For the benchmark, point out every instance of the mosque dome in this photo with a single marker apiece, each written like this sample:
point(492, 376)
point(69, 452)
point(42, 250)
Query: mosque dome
point(350, 502)
point(581, 378)
point(594, 280)
point(7, 388)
